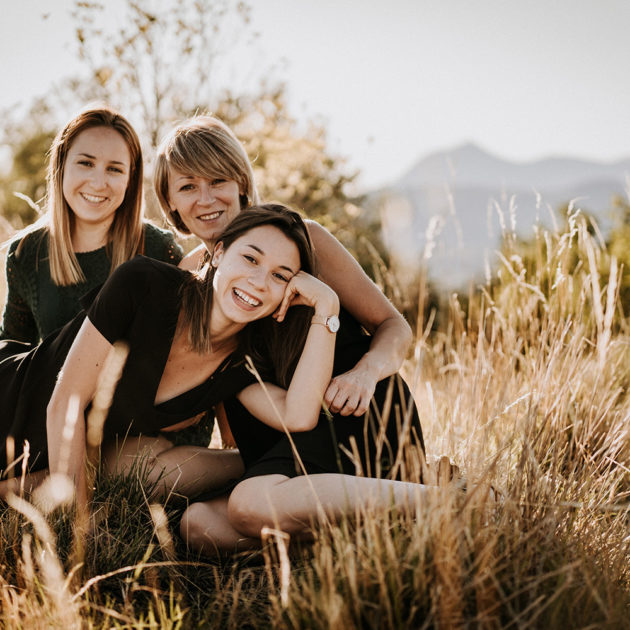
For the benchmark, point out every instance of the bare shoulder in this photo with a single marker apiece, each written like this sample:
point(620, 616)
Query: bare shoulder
point(358, 294)
point(329, 250)
point(193, 259)
point(319, 234)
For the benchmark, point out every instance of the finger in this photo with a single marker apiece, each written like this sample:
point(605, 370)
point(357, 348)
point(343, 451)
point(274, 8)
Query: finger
point(340, 401)
point(362, 407)
point(337, 402)
point(281, 311)
point(330, 393)
point(351, 405)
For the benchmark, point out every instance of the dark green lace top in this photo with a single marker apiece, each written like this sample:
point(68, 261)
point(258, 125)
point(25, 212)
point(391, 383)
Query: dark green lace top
point(36, 306)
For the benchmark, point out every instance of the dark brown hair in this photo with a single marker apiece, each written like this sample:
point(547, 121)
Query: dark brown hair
point(264, 339)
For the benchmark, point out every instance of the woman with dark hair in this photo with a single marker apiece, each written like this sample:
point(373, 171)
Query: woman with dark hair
point(203, 179)
point(256, 325)
point(94, 222)
point(187, 335)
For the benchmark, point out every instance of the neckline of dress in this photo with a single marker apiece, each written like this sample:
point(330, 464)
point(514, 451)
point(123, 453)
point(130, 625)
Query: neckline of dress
point(220, 368)
point(172, 325)
point(91, 251)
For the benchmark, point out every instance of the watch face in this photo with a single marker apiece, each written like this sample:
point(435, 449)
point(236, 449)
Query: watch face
point(333, 323)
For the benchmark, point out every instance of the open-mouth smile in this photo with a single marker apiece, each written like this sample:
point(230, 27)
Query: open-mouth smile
point(246, 298)
point(211, 216)
point(93, 198)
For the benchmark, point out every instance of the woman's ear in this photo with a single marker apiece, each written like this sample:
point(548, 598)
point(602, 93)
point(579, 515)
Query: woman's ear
point(217, 254)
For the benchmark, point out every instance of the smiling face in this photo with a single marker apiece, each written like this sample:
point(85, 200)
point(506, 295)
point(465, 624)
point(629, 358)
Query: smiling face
point(96, 175)
point(252, 274)
point(205, 206)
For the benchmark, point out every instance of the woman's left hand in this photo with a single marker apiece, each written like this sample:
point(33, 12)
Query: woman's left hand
point(309, 290)
point(350, 393)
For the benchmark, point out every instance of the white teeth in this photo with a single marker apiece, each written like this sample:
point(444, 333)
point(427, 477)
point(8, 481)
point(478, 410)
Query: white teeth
point(210, 217)
point(92, 198)
point(247, 298)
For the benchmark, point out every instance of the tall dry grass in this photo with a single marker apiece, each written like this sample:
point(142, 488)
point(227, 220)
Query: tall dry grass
point(525, 387)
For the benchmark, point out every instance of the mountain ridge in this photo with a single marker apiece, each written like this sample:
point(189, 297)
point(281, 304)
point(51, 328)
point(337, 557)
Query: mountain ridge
point(465, 189)
point(467, 163)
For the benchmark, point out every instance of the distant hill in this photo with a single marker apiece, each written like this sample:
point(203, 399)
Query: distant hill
point(466, 194)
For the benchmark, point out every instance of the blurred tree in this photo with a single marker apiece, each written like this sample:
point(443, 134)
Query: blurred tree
point(23, 186)
point(159, 66)
point(294, 167)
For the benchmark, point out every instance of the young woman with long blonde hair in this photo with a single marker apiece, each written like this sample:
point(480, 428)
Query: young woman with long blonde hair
point(94, 222)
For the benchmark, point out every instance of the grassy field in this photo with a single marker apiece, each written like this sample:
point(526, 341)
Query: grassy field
point(524, 385)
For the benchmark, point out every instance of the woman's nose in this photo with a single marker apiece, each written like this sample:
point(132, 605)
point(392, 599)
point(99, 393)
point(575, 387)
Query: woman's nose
point(206, 194)
point(258, 278)
point(98, 179)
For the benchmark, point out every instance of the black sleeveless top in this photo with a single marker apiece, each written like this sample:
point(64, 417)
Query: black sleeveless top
point(139, 305)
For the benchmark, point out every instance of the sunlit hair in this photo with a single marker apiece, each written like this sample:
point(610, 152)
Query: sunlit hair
point(264, 338)
point(202, 146)
point(125, 238)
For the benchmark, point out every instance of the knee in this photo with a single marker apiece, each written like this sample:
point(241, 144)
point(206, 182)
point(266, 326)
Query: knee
point(193, 527)
point(248, 512)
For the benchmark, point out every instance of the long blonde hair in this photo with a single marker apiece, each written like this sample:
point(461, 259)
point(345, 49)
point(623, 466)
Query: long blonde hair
point(202, 146)
point(125, 233)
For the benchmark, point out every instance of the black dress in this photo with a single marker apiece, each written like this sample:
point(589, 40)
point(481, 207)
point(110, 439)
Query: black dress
point(338, 444)
point(139, 304)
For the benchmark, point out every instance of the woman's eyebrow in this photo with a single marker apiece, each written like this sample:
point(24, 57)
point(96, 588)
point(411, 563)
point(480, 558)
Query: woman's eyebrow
point(186, 177)
point(260, 251)
point(93, 157)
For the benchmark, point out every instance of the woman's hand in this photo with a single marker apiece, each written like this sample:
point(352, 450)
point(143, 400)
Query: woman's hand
point(350, 393)
point(306, 289)
point(298, 407)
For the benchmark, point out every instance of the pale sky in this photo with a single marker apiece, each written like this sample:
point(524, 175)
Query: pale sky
point(394, 80)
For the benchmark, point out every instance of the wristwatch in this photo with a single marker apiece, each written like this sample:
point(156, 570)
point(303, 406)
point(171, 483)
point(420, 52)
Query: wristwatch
point(331, 322)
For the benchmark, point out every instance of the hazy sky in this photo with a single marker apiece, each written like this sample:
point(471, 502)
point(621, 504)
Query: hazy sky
point(396, 79)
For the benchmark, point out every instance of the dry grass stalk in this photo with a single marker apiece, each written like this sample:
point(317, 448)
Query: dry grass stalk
point(526, 387)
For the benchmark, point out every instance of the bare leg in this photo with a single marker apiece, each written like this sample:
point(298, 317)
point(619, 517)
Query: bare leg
point(293, 504)
point(206, 528)
point(186, 470)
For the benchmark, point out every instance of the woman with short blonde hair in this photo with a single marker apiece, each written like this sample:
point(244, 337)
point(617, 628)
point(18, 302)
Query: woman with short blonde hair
point(203, 179)
point(202, 146)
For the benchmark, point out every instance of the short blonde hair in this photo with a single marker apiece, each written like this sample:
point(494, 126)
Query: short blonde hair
point(125, 232)
point(202, 146)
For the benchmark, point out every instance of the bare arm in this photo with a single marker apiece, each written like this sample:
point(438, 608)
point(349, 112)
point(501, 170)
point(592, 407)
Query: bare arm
point(298, 407)
point(350, 393)
point(65, 419)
